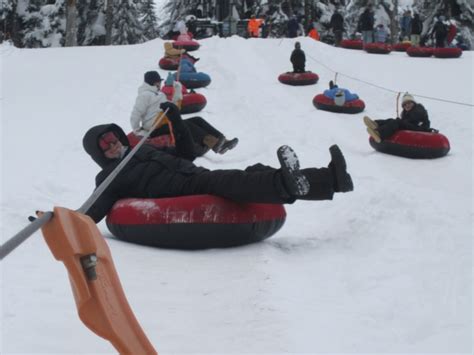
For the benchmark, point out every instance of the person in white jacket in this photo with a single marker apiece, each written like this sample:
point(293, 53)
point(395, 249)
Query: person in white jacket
point(147, 109)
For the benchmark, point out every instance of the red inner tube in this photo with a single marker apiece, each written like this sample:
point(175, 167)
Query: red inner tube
point(415, 51)
point(306, 78)
point(414, 144)
point(193, 222)
point(449, 52)
point(352, 44)
point(378, 48)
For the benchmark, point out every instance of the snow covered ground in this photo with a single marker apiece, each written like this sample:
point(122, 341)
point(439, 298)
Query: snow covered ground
point(384, 269)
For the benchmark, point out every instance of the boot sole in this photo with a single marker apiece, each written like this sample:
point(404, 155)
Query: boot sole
point(297, 183)
point(370, 123)
point(229, 147)
point(375, 136)
point(344, 180)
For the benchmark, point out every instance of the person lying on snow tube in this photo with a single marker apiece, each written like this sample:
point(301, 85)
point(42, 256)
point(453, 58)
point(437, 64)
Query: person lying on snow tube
point(173, 53)
point(339, 95)
point(414, 117)
point(169, 172)
point(147, 109)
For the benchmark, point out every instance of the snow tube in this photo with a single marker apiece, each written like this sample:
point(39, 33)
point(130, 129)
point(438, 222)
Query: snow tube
point(352, 44)
point(189, 44)
point(448, 52)
point(378, 48)
point(194, 80)
point(322, 102)
point(168, 63)
point(415, 51)
point(413, 144)
point(401, 47)
point(192, 101)
point(159, 141)
point(298, 79)
point(193, 222)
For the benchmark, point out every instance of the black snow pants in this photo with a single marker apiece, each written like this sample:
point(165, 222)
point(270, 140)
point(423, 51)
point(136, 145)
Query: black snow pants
point(256, 184)
point(198, 127)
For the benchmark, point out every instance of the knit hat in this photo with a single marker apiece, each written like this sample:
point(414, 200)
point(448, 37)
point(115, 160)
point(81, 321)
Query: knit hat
point(151, 77)
point(407, 97)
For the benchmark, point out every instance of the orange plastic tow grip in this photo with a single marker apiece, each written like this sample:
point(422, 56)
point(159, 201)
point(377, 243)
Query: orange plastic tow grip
point(74, 239)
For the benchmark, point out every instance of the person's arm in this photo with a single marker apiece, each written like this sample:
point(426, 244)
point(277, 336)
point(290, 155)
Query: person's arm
point(184, 140)
point(138, 112)
point(101, 207)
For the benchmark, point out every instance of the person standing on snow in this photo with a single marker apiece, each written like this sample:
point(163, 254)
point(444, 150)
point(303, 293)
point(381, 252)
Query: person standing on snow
point(148, 107)
point(169, 172)
point(416, 29)
point(366, 25)
point(380, 34)
point(405, 26)
point(337, 25)
point(414, 117)
point(298, 59)
point(440, 32)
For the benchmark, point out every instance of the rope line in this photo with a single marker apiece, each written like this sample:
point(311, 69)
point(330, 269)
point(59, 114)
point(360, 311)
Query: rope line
point(387, 89)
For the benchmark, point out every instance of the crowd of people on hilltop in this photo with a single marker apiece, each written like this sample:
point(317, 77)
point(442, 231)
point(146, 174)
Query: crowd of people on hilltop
point(411, 28)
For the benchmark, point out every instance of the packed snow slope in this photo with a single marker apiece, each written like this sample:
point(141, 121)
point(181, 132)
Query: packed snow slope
point(384, 269)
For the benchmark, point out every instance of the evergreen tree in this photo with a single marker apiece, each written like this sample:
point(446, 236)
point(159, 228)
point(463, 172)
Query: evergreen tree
point(148, 19)
point(126, 26)
point(91, 30)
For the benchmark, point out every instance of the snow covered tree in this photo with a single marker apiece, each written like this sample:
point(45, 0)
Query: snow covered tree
point(126, 25)
point(148, 19)
point(91, 29)
point(44, 25)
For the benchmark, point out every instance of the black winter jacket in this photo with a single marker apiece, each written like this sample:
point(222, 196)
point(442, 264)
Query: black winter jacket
point(366, 21)
point(416, 25)
point(337, 22)
point(416, 119)
point(298, 58)
point(143, 174)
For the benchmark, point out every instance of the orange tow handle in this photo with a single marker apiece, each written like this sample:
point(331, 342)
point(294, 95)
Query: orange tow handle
point(74, 239)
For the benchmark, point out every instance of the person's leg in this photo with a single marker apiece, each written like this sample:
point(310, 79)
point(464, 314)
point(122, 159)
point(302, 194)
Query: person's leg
point(388, 128)
point(202, 126)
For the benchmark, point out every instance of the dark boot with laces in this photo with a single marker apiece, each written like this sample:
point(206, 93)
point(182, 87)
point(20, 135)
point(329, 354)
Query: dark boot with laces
point(295, 182)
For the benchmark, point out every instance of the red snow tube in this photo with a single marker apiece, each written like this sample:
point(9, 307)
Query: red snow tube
point(322, 102)
point(193, 222)
point(298, 79)
point(378, 48)
point(159, 141)
point(192, 101)
point(413, 144)
point(168, 63)
point(189, 45)
point(352, 44)
point(448, 52)
point(415, 51)
point(401, 47)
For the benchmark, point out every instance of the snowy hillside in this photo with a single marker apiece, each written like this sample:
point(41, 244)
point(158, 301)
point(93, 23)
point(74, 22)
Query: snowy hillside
point(384, 269)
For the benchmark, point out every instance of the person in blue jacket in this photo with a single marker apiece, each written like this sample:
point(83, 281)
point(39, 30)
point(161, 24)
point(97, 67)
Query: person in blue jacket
point(339, 95)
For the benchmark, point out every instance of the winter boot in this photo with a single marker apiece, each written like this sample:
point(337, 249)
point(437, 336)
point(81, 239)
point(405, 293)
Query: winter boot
point(370, 123)
point(223, 145)
point(342, 180)
point(228, 145)
point(295, 182)
point(374, 134)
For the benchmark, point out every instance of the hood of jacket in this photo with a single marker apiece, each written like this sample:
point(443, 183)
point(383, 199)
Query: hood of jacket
point(90, 142)
point(148, 88)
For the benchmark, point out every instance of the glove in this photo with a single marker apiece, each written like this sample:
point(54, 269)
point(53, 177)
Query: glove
point(173, 113)
point(177, 86)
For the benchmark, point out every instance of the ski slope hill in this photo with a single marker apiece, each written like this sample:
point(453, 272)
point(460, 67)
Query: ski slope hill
point(386, 268)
